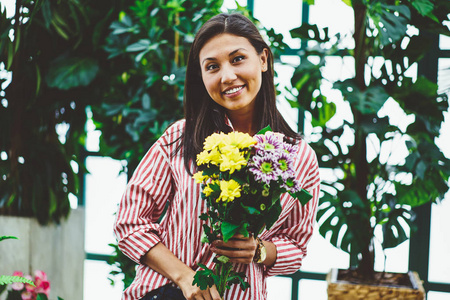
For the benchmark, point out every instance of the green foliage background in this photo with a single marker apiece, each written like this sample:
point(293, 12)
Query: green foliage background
point(125, 60)
point(54, 51)
point(375, 192)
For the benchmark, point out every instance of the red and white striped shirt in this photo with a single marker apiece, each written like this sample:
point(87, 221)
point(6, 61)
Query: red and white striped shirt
point(162, 177)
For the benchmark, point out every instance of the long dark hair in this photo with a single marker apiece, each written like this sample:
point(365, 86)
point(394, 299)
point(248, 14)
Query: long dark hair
point(203, 115)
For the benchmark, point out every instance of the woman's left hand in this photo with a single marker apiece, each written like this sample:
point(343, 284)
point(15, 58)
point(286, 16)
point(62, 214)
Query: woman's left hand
point(239, 249)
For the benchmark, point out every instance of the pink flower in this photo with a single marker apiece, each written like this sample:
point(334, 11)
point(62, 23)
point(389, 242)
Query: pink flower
point(41, 282)
point(27, 295)
point(40, 275)
point(29, 287)
point(17, 286)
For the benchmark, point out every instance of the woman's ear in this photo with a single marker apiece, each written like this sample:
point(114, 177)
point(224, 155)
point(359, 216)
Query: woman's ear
point(264, 59)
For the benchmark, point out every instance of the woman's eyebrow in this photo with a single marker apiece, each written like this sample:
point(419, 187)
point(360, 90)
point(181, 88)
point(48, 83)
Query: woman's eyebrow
point(230, 54)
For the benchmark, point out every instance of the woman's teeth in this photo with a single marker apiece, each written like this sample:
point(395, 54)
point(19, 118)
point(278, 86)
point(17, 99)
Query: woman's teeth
point(234, 90)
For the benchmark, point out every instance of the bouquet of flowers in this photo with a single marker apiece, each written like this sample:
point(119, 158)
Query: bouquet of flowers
point(242, 179)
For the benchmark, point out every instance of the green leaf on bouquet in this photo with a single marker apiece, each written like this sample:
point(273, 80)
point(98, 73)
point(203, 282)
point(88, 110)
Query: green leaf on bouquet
point(243, 229)
point(238, 278)
point(204, 239)
point(273, 215)
point(211, 170)
point(223, 259)
point(265, 129)
point(303, 196)
point(204, 278)
point(228, 230)
point(250, 210)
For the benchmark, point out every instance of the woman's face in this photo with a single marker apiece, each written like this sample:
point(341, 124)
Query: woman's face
point(232, 71)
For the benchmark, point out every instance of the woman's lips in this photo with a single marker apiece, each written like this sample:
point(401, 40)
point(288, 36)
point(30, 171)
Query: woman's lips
point(234, 90)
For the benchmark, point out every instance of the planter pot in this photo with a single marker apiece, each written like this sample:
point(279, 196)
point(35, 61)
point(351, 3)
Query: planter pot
point(58, 250)
point(351, 290)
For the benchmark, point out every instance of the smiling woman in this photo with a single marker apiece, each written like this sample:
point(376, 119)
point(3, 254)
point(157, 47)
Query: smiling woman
point(229, 87)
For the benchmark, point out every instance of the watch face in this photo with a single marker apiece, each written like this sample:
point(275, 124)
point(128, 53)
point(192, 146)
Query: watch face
point(260, 254)
point(263, 254)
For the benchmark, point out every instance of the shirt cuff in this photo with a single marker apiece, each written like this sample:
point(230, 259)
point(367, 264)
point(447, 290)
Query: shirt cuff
point(289, 258)
point(138, 244)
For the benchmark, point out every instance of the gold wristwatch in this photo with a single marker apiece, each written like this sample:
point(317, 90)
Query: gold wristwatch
point(260, 253)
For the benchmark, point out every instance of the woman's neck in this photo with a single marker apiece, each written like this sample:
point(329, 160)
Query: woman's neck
point(243, 122)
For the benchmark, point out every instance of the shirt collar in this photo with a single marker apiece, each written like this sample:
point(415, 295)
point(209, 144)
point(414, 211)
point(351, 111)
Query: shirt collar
point(228, 122)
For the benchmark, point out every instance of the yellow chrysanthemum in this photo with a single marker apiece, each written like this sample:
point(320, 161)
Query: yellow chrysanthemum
point(213, 141)
point(203, 158)
point(232, 160)
point(214, 157)
point(199, 177)
point(229, 190)
point(239, 139)
point(207, 190)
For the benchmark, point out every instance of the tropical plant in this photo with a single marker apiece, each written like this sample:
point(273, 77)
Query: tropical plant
point(371, 188)
point(52, 51)
point(148, 46)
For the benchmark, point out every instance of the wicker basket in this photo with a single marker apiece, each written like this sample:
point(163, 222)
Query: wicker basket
point(344, 290)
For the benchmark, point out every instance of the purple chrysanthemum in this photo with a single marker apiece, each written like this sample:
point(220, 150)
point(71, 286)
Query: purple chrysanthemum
point(289, 148)
point(285, 164)
point(291, 185)
point(265, 168)
point(269, 141)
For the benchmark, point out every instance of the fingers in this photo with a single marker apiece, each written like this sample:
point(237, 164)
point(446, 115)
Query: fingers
point(239, 249)
point(197, 294)
point(237, 242)
point(236, 256)
point(214, 293)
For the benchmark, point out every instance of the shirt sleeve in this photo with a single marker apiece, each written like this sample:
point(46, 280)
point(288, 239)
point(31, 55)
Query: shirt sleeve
point(143, 202)
point(292, 238)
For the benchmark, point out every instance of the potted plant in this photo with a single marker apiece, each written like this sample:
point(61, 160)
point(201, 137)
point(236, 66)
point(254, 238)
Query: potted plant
point(372, 190)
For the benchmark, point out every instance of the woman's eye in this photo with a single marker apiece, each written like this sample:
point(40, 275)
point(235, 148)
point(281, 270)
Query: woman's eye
point(211, 67)
point(238, 58)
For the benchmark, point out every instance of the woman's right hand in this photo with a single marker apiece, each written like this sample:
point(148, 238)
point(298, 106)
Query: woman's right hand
point(193, 292)
point(160, 259)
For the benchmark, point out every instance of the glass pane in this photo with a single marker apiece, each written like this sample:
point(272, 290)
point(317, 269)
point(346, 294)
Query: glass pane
point(439, 268)
point(444, 42)
point(282, 17)
point(279, 288)
point(10, 6)
point(444, 75)
point(312, 289)
point(93, 135)
point(285, 70)
point(393, 259)
point(335, 15)
point(322, 256)
point(438, 296)
point(96, 282)
point(231, 4)
point(104, 188)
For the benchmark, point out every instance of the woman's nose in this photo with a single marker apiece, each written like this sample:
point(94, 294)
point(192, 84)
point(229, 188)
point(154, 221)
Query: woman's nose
point(228, 74)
